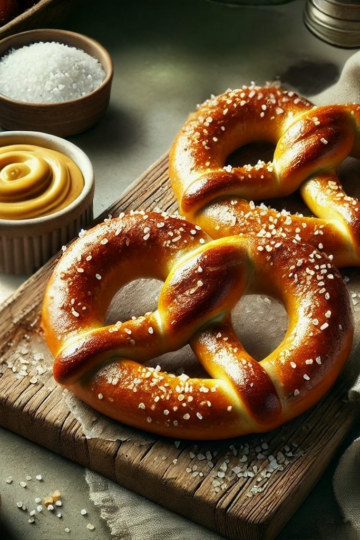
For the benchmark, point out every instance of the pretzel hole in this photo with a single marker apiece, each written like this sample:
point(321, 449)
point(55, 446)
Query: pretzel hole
point(133, 300)
point(260, 323)
point(181, 361)
point(250, 154)
point(349, 173)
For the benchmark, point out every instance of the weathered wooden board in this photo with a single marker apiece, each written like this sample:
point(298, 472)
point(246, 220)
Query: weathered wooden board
point(246, 488)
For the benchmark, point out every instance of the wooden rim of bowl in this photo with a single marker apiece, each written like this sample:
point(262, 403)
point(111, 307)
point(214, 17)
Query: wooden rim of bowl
point(61, 145)
point(65, 37)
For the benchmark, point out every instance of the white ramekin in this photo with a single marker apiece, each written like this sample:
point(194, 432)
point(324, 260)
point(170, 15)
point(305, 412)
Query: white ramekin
point(27, 244)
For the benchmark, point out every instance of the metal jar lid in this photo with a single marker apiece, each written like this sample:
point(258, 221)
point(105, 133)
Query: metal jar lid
point(334, 21)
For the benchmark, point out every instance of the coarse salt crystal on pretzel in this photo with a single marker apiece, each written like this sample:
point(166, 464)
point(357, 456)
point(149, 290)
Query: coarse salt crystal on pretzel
point(203, 280)
point(311, 142)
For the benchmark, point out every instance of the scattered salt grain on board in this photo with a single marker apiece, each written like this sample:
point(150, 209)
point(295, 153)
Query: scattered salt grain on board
point(49, 73)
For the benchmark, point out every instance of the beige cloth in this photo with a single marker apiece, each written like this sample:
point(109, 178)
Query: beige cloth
point(347, 485)
point(131, 517)
point(346, 89)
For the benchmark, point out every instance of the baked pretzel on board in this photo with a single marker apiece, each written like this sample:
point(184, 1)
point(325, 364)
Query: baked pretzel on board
point(203, 280)
point(311, 142)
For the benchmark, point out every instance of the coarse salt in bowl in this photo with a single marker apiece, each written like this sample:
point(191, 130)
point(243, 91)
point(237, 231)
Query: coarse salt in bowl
point(66, 89)
point(58, 73)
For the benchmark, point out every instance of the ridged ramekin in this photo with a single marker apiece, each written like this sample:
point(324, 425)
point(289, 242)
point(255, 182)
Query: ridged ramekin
point(27, 244)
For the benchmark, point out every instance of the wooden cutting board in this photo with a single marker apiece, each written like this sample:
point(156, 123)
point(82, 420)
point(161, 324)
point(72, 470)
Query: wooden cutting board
point(245, 489)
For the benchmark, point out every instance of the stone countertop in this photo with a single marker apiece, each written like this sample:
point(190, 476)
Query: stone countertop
point(168, 56)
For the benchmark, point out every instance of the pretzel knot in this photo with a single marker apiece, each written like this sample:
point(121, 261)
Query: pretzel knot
point(311, 142)
point(203, 281)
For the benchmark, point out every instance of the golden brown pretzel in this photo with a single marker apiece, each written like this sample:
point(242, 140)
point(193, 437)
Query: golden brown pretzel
point(311, 142)
point(204, 280)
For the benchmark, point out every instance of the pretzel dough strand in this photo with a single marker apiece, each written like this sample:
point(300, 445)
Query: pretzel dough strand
point(325, 197)
point(311, 142)
point(221, 125)
point(203, 282)
point(86, 282)
point(238, 216)
point(102, 344)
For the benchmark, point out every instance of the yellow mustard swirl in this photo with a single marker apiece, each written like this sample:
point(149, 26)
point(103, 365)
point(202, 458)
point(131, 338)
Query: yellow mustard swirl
point(36, 181)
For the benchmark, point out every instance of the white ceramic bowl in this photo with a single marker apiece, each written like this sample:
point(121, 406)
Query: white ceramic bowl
point(27, 244)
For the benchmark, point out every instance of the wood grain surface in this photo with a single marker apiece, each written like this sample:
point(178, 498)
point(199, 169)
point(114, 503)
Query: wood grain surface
point(246, 488)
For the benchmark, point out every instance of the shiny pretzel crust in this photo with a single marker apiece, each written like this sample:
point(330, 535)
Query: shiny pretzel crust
point(311, 142)
point(203, 281)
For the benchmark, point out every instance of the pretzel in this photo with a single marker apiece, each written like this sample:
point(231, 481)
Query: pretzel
point(203, 280)
point(311, 142)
